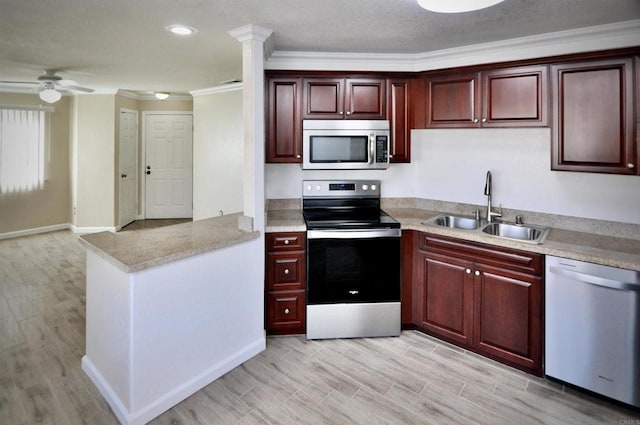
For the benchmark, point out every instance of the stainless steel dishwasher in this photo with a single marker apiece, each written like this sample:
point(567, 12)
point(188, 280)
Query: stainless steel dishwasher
point(592, 320)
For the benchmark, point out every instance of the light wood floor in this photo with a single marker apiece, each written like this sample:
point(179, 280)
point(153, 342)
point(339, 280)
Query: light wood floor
point(412, 379)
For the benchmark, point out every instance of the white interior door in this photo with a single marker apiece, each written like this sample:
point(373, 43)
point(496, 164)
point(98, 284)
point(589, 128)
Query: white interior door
point(127, 160)
point(169, 166)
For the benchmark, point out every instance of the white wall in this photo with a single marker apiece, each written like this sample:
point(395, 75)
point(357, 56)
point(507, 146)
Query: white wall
point(218, 154)
point(451, 165)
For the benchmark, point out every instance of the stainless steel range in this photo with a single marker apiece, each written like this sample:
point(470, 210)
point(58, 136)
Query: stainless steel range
point(353, 261)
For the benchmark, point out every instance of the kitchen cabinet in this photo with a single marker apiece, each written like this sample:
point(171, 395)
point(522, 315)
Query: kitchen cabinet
point(285, 287)
point(344, 98)
point(509, 97)
point(399, 115)
point(283, 122)
point(484, 298)
point(593, 119)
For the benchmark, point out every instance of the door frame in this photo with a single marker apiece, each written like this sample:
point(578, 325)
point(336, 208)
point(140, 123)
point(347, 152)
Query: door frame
point(143, 156)
point(136, 163)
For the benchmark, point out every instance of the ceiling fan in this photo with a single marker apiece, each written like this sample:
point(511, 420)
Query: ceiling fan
point(48, 85)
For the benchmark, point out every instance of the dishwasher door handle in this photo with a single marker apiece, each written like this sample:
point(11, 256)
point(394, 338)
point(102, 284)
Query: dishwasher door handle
point(597, 280)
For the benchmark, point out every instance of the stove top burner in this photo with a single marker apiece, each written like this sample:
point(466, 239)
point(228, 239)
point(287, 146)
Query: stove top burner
point(351, 204)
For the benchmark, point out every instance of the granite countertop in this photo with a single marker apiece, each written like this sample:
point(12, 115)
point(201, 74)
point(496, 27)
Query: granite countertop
point(142, 249)
point(578, 245)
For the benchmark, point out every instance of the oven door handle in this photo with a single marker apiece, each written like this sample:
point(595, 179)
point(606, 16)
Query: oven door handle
point(354, 234)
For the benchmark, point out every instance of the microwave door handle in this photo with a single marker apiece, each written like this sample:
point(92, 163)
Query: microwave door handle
point(372, 148)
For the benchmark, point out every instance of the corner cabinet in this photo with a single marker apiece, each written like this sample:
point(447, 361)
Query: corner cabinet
point(509, 97)
point(484, 298)
point(286, 282)
point(593, 120)
point(344, 98)
point(283, 122)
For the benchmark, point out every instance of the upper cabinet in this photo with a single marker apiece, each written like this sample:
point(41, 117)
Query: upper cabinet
point(593, 119)
point(344, 98)
point(509, 97)
point(284, 126)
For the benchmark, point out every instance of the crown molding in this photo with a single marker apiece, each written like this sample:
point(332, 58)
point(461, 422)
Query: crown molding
point(217, 89)
point(601, 37)
point(151, 96)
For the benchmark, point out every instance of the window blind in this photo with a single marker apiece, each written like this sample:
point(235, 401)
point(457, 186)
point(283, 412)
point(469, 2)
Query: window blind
point(22, 150)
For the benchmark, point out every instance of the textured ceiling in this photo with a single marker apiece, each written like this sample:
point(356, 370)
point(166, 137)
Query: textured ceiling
point(122, 44)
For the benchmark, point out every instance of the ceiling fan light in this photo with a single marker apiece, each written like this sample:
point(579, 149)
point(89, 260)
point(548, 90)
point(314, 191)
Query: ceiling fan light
point(458, 6)
point(50, 95)
point(161, 95)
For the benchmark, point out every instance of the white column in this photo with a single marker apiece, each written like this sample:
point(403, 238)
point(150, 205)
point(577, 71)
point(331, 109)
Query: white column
point(253, 39)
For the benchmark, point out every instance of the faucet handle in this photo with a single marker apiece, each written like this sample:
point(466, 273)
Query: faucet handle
point(519, 220)
point(476, 214)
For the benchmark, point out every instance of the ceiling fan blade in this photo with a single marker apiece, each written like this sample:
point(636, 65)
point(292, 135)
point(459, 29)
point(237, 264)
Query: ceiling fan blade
point(72, 85)
point(19, 83)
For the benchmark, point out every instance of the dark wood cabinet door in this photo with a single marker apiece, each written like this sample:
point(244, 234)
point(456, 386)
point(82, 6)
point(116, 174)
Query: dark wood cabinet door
point(323, 98)
point(593, 122)
point(453, 101)
point(286, 312)
point(398, 113)
point(515, 97)
point(287, 271)
point(284, 134)
point(445, 298)
point(508, 318)
point(365, 98)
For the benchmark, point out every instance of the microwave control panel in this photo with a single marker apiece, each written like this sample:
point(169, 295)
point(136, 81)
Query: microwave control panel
point(382, 147)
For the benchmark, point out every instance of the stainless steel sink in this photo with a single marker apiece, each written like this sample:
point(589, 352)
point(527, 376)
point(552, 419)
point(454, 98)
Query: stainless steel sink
point(520, 232)
point(455, 221)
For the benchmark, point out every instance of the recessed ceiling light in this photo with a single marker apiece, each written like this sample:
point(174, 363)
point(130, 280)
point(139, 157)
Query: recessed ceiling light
point(458, 6)
point(181, 29)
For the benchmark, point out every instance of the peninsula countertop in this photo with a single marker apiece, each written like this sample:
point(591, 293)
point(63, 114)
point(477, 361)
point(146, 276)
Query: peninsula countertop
point(141, 249)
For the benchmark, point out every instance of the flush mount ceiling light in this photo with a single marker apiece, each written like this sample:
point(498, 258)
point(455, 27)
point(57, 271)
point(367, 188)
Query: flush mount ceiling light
point(456, 6)
point(181, 29)
point(161, 95)
point(49, 94)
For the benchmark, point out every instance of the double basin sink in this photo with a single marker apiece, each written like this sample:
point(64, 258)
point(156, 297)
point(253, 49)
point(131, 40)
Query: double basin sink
point(519, 232)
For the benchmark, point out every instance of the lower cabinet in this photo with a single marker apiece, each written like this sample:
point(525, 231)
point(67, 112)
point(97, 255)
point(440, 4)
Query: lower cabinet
point(480, 297)
point(285, 286)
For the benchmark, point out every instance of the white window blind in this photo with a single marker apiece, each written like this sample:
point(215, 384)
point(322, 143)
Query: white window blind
point(22, 150)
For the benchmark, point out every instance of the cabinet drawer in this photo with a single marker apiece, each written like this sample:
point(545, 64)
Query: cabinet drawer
point(286, 312)
point(510, 259)
point(286, 271)
point(290, 241)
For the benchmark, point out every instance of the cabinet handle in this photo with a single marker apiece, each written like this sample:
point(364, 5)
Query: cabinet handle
point(630, 165)
point(286, 271)
point(475, 120)
point(286, 241)
point(468, 271)
point(286, 311)
point(477, 273)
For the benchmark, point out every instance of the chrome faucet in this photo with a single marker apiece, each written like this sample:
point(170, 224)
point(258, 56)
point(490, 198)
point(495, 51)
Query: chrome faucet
point(487, 191)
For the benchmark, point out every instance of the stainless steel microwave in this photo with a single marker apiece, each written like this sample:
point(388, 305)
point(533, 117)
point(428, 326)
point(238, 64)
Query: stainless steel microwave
point(345, 144)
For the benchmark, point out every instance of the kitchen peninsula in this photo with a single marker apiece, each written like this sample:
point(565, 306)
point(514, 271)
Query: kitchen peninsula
point(169, 310)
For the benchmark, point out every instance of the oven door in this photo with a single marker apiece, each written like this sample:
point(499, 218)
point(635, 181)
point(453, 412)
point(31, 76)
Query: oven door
point(353, 266)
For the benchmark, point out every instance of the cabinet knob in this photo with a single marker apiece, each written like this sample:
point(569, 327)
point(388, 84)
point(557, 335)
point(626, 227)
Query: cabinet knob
point(298, 156)
point(286, 241)
point(477, 273)
point(468, 271)
point(631, 165)
point(286, 311)
point(475, 120)
point(484, 120)
point(348, 112)
point(286, 271)
point(341, 112)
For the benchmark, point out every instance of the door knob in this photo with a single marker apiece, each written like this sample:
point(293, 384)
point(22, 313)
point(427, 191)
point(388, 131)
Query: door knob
point(124, 176)
point(148, 171)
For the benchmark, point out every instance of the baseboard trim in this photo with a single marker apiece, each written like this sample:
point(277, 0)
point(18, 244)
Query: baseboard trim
point(34, 231)
point(84, 230)
point(171, 398)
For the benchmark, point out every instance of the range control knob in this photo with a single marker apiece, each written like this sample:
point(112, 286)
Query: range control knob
point(309, 188)
point(365, 187)
point(318, 188)
point(373, 187)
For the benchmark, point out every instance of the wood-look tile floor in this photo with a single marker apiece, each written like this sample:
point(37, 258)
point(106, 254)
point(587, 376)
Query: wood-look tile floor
point(412, 379)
